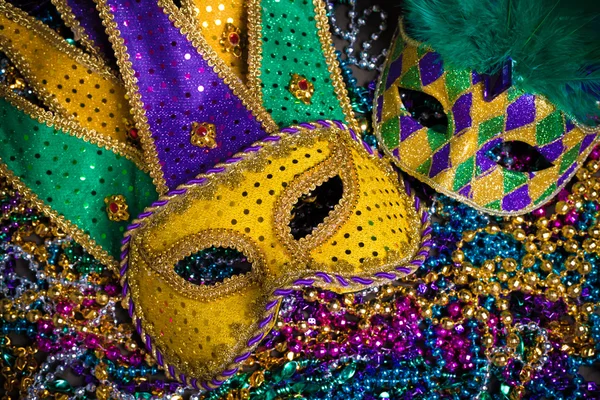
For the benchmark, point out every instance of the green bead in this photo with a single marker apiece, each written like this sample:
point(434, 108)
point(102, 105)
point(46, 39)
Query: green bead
point(289, 369)
point(59, 385)
point(348, 372)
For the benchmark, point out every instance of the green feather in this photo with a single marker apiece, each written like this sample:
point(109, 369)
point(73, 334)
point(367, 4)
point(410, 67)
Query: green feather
point(554, 44)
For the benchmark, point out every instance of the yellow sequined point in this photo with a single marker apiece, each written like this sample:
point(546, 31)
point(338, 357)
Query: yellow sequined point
point(231, 40)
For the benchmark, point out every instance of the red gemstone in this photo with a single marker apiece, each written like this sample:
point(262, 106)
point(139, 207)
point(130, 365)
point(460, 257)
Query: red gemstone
point(133, 133)
point(303, 84)
point(113, 207)
point(201, 131)
point(234, 38)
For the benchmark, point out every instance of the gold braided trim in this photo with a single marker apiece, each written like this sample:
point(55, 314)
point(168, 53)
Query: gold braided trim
point(332, 63)
point(71, 127)
point(254, 49)
point(188, 28)
point(70, 20)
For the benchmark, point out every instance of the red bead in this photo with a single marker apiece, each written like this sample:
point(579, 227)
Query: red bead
point(234, 38)
point(133, 133)
point(303, 84)
point(201, 131)
point(113, 207)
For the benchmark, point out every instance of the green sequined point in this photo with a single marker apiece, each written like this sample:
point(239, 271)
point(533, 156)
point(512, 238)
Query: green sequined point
point(291, 45)
point(72, 176)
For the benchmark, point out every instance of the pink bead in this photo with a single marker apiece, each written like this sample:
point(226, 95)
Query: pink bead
point(92, 342)
point(540, 212)
point(595, 154)
point(454, 309)
point(64, 308)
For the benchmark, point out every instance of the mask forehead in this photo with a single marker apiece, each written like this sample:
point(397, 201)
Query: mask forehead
point(373, 235)
point(457, 160)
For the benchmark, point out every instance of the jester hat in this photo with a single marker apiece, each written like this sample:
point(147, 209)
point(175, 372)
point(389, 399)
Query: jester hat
point(464, 79)
point(233, 147)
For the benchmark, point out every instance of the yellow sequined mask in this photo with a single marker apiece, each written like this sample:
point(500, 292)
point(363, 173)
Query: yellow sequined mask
point(369, 237)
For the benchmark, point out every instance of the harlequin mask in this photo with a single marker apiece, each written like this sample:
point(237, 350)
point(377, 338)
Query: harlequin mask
point(441, 122)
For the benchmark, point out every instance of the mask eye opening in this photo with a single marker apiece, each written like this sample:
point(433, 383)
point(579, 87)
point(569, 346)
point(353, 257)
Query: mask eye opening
point(424, 109)
point(518, 156)
point(213, 265)
point(311, 209)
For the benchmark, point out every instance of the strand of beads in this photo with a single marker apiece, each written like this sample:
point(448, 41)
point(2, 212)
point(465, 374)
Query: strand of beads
point(356, 23)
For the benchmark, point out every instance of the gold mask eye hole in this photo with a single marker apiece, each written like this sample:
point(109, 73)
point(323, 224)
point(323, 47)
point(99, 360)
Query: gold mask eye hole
point(424, 109)
point(311, 209)
point(213, 265)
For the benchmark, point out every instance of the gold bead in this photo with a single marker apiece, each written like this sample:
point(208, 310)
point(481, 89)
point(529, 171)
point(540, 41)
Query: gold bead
point(571, 263)
point(587, 308)
point(257, 378)
point(100, 372)
point(493, 229)
point(562, 208)
point(506, 317)
point(519, 234)
point(464, 295)
point(574, 291)
point(447, 323)
point(571, 246)
point(502, 276)
point(509, 264)
point(546, 265)
point(54, 292)
point(443, 299)
point(494, 288)
point(427, 312)
point(458, 256)
point(512, 340)
point(310, 295)
point(588, 352)
point(594, 232)
point(102, 298)
point(33, 315)
point(468, 311)
point(431, 277)
point(349, 298)
point(334, 306)
point(568, 231)
point(487, 340)
point(488, 267)
point(531, 278)
point(548, 247)
point(103, 392)
point(6, 305)
point(461, 279)
point(482, 315)
point(502, 304)
point(585, 268)
point(531, 247)
point(364, 324)
point(590, 245)
point(500, 359)
point(552, 280)
point(468, 236)
point(578, 188)
point(528, 261)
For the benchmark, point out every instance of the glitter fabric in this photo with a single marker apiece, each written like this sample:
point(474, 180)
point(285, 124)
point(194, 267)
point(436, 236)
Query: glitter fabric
point(213, 16)
point(172, 86)
point(71, 176)
point(69, 82)
point(86, 18)
point(289, 43)
point(455, 159)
